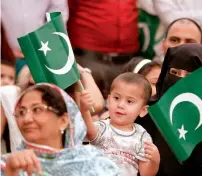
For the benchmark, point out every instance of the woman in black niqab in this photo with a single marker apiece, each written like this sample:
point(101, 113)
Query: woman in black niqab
point(187, 57)
point(178, 60)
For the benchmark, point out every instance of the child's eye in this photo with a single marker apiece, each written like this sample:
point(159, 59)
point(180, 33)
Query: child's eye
point(130, 102)
point(11, 78)
point(116, 98)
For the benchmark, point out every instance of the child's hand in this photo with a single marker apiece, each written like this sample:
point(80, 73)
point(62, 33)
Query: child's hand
point(86, 101)
point(151, 152)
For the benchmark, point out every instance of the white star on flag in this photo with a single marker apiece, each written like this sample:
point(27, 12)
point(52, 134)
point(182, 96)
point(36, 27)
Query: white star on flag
point(182, 132)
point(44, 47)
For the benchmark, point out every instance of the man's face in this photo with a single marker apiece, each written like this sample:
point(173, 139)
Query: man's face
point(181, 32)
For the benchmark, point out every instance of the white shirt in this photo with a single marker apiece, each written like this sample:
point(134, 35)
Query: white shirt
point(9, 96)
point(124, 148)
point(170, 10)
point(23, 16)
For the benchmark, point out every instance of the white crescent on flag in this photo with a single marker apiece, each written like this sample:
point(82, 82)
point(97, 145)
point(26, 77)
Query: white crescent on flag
point(190, 97)
point(70, 59)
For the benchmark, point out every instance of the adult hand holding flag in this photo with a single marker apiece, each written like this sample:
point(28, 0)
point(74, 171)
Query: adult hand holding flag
point(178, 115)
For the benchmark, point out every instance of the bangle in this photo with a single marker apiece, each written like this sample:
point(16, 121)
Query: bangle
point(86, 70)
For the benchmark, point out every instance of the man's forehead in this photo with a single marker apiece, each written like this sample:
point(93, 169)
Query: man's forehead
point(184, 30)
point(184, 25)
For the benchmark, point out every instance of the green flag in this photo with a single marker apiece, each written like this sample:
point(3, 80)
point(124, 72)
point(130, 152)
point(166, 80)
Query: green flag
point(178, 115)
point(49, 54)
point(151, 34)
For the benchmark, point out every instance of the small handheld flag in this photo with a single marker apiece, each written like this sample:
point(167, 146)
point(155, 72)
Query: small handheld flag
point(49, 54)
point(178, 115)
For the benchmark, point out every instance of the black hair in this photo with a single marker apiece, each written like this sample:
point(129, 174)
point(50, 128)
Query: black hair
point(8, 63)
point(51, 96)
point(137, 79)
point(129, 67)
point(180, 19)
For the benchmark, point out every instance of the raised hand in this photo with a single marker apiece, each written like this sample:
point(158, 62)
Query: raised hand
point(86, 101)
point(151, 152)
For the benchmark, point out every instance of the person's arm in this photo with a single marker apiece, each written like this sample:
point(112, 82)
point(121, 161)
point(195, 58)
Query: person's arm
point(150, 168)
point(85, 103)
point(3, 121)
point(18, 54)
point(92, 88)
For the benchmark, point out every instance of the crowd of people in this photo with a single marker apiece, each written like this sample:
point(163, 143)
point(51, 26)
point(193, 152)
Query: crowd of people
point(128, 54)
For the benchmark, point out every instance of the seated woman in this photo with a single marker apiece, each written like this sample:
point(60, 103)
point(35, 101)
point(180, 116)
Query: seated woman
point(9, 95)
point(53, 131)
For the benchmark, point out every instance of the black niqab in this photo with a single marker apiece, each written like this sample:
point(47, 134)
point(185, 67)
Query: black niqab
point(185, 57)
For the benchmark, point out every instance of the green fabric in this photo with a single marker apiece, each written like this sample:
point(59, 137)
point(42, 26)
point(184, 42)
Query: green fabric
point(20, 63)
point(148, 28)
point(55, 65)
point(180, 109)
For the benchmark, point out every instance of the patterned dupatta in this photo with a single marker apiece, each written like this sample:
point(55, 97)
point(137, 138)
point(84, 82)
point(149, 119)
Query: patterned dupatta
point(75, 159)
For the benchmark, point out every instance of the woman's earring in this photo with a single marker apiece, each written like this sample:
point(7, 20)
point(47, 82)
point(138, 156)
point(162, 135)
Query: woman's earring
point(62, 131)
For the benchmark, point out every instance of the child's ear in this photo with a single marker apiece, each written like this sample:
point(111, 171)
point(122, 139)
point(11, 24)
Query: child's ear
point(144, 111)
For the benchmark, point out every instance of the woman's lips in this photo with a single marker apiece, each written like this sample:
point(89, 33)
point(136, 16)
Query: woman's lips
point(29, 129)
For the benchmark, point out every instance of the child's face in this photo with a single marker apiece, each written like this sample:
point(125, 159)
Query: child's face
point(125, 104)
point(7, 75)
point(152, 77)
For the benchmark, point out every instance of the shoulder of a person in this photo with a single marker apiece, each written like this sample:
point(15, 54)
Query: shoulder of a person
point(139, 128)
point(105, 122)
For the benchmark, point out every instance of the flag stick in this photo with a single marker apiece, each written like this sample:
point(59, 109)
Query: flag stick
point(82, 88)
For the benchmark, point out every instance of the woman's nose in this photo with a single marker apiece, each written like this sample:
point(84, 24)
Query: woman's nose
point(28, 116)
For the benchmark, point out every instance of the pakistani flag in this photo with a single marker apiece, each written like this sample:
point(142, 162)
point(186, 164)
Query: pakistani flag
point(178, 115)
point(49, 53)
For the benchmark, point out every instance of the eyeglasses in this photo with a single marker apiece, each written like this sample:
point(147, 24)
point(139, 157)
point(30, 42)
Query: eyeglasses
point(34, 110)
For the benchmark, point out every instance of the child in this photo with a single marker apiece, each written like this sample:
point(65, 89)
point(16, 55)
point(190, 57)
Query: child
point(7, 73)
point(128, 144)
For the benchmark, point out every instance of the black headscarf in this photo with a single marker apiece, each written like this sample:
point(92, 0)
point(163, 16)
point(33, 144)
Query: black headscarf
point(186, 57)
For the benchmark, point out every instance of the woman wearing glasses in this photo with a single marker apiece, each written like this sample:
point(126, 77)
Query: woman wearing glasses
point(10, 94)
point(53, 131)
